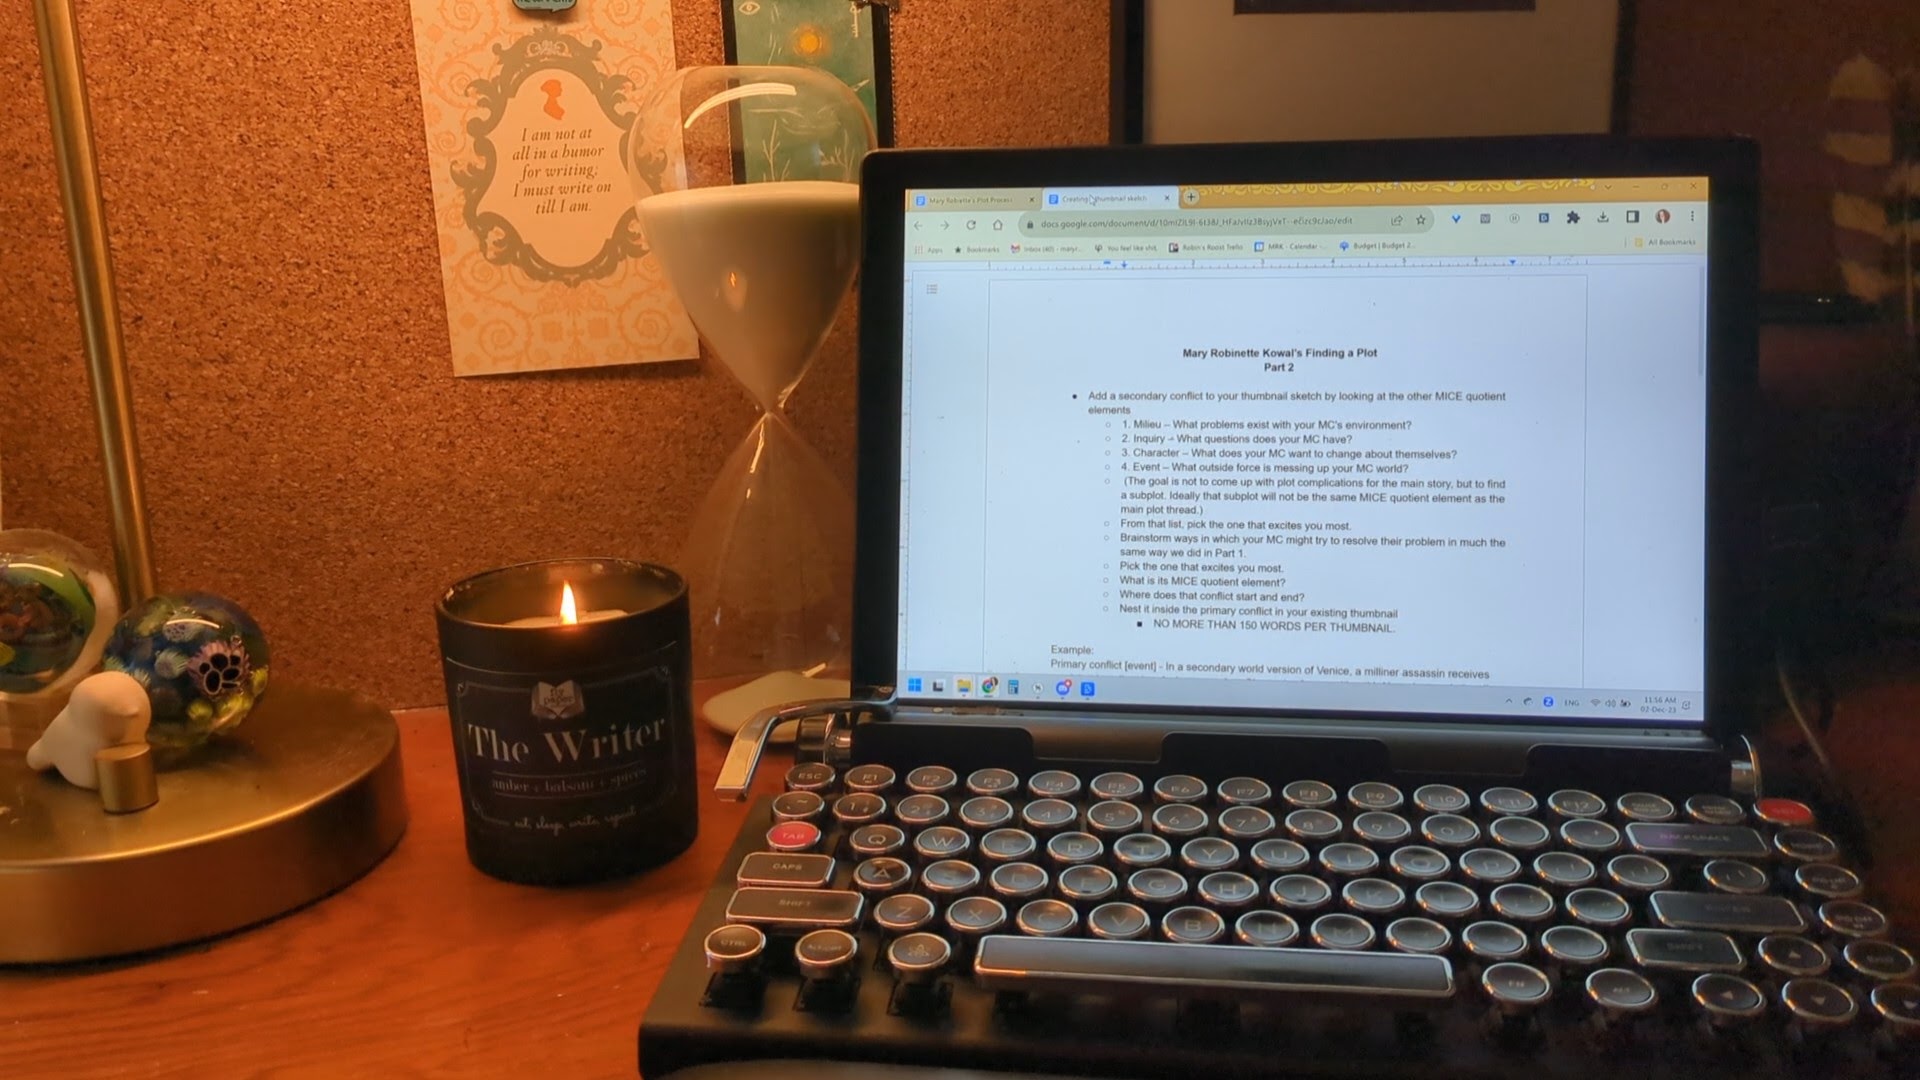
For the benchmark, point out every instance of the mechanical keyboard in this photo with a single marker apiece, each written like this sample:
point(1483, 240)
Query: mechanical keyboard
point(1116, 924)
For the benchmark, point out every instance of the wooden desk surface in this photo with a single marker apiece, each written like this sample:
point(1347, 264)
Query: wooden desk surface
point(425, 967)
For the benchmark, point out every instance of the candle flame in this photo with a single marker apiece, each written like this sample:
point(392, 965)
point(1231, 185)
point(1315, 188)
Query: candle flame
point(568, 613)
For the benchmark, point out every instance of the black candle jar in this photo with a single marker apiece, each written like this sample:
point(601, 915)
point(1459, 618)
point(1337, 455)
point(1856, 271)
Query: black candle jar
point(574, 742)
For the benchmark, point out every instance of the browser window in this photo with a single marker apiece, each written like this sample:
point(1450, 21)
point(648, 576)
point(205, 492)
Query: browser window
point(1406, 447)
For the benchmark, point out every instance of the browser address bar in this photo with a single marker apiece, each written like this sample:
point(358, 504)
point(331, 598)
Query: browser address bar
point(1390, 219)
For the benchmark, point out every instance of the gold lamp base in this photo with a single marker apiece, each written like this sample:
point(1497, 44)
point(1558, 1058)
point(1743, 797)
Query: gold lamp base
point(304, 797)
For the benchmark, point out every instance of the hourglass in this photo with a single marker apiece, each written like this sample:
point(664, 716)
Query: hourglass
point(747, 181)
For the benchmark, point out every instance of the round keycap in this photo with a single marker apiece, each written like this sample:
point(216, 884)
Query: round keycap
point(992, 782)
point(1879, 961)
point(1852, 919)
point(1178, 820)
point(873, 779)
point(1192, 926)
point(1417, 864)
point(882, 875)
point(1140, 851)
point(1521, 903)
point(1804, 846)
point(902, 913)
point(1073, 848)
point(1508, 800)
point(1374, 795)
point(1206, 854)
point(976, 916)
point(1243, 791)
point(1053, 784)
point(1518, 833)
point(1268, 929)
point(1381, 828)
point(1488, 866)
point(1276, 856)
point(870, 840)
point(1179, 788)
point(734, 948)
point(1046, 918)
point(1734, 876)
point(859, 807)
point(1298, 892)
point(985, 813)
point(1589, 835)
point(1008, 845)
point(1822, 881)
point(1348, 860)
point(1563, 870)
point(1515, 987)
point(1312, 826)
point(1017, 881)
point(1372, 897)
point(1246, 823)
point(1727, 998)
point(1118, 922)
point(1494, 941)
point(792, 836)
point(950, 877)
point(1308, 794)
point(810, 776)
point(1048, 815)
point(1898, 1006)
point(1792, 956)
point(920, 811)
point(1446, 900)
point(1714, 810)
point(1574, 803)
point(932, 780)
point(825, 954)
point(941, 842)
point(1441, 799)
point(1574, 946)
point(917, 958)
point(1644, 806)
point(1122, 786)
point(1638, 873)
point(1228, 889)
point(1817, 1003)
point(1621, 992)
point(1598, 907)
point(1450, 831)
point(1341, 931)
point(1156, 886)
point(1783, 813)
point(1114, 818)
point(1087, 884)
point(1417, 935)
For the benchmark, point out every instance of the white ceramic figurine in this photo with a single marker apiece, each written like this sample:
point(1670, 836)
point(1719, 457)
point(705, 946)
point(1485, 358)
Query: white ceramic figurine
point(107, 709)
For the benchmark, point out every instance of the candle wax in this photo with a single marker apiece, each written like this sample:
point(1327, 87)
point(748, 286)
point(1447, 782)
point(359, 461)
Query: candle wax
point(555, 620)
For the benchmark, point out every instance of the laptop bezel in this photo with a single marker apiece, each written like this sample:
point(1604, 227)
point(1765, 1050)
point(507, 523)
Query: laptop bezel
point(1733, 634)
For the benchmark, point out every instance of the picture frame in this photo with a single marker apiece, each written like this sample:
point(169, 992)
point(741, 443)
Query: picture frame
point(1367, 68)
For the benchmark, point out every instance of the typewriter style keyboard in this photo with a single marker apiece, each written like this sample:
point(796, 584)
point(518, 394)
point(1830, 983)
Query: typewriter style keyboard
point(1125, 924)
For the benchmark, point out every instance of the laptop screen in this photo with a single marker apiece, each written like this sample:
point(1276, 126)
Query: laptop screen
point(1426, 448)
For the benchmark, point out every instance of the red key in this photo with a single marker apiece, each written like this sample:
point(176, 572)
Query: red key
point(1785, 813)
point(793, 836)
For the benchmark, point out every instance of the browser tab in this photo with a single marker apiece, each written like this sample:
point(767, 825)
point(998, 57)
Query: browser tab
point(1111, 198)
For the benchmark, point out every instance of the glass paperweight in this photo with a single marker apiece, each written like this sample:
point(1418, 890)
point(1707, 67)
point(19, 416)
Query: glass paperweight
point(202, 659)
point(57, 604)
point(748, 187)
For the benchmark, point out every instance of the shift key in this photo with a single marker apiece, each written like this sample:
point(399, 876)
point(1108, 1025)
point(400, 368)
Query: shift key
point(796, 909)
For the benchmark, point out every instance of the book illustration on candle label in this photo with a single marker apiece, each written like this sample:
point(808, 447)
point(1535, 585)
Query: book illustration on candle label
point(847, 41)
point(526, 125)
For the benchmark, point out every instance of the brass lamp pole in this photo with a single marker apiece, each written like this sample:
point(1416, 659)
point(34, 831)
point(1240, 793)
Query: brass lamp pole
point(93, 287)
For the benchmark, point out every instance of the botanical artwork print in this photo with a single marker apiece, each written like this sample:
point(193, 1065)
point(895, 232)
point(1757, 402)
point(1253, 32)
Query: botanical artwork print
point(527, 118)
point(833, 35)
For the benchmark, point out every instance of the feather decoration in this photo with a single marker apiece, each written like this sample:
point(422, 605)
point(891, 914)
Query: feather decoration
point(1903, 194)
point(1859, 146)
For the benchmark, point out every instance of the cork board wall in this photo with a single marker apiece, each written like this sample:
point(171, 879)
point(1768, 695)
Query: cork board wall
point(307, 448)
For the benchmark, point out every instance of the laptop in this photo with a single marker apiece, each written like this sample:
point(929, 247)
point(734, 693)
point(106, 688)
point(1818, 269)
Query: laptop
point(1305, 613)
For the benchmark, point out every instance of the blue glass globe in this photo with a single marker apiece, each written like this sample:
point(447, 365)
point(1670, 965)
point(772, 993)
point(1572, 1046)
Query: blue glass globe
point(202, 658)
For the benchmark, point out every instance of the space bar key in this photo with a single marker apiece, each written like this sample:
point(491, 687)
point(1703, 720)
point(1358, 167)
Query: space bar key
point(1237, 972)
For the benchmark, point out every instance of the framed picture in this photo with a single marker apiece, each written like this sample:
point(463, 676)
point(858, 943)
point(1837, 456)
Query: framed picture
point(846, 40)
point(1293, 70)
